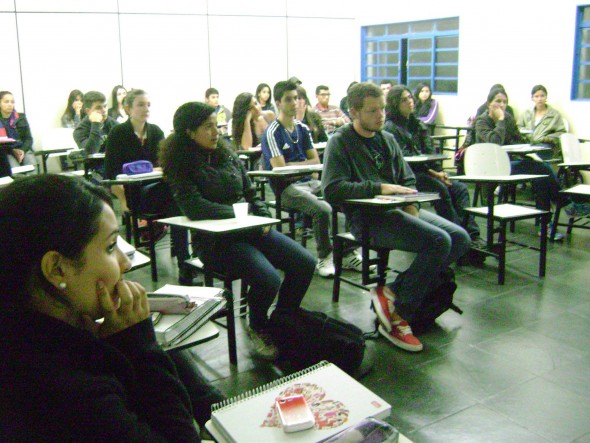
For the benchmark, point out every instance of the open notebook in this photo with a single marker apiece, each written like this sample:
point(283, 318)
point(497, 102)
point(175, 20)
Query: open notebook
point(336, 400)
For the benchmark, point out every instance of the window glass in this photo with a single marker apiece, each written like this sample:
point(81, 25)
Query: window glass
point(447, 42)
point(404, 52)
point(447, 56)
point(446, 71)
point(420, 57)
point(445, 85)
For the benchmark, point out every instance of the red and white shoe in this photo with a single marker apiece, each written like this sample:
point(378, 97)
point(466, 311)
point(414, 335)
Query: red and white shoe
point(401, 335)
point(383, 299)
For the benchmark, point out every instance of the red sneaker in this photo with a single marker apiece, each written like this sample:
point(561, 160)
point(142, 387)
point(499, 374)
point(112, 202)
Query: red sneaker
point(383, 299)
point(401, 335)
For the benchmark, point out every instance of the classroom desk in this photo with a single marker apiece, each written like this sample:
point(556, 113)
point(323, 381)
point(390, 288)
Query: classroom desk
point(369, 206)
point(219, 228)
point(92, 161)
point(457, 136)
point(572, 167)
point(250, 156)
point(417, 159)
point(282, 177)
point(523, 150)
point(489, 184)
point(320, 147)
point(133, 188)
point(138, 260)
point(22, 169)
point(582, 191)
point(46, 153)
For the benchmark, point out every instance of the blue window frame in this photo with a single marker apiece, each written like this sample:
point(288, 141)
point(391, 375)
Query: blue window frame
point(413, 53)
point(581, 75)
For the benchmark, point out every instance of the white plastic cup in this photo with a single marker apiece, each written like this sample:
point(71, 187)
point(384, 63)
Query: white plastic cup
point(241, 210)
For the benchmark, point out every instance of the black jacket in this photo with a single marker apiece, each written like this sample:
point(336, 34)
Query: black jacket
point(60, 383)
point(413, 138)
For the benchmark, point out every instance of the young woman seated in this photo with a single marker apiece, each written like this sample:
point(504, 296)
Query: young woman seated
point(206, 179)
point(249, 121)
point(15, 125)
point(66, 376)
point(542, 125)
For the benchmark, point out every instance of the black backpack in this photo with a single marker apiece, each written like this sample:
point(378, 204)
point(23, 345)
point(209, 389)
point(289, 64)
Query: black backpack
point(438, 301)
point(305, 338)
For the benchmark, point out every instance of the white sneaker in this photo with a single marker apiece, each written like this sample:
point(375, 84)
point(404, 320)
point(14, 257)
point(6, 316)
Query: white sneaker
point(354, 261)
point(325, 266)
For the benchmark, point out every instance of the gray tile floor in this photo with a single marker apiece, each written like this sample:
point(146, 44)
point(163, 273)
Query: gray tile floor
point(514, 367)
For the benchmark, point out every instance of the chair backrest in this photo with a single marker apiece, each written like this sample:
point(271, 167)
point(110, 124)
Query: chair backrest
point(585, 157)
point(570, 147)
point(486, 159)
point(566, 124)
point(58, 138)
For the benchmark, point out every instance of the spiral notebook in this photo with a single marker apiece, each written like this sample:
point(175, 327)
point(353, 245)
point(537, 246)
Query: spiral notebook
point(336, 399)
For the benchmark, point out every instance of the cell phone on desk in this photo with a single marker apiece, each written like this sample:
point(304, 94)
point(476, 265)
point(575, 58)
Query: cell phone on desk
point(294, 413)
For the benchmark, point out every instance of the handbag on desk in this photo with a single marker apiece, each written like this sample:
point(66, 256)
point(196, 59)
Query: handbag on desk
point(138, 167)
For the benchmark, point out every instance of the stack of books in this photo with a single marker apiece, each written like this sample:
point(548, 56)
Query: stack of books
point(178, 311)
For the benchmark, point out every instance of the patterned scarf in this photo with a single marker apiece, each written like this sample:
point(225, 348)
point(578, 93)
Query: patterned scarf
point(10, 131)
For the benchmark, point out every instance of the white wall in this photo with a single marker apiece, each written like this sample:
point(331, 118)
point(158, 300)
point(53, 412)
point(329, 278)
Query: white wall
point(516, 43)
point(174, 50)
point(178, 48)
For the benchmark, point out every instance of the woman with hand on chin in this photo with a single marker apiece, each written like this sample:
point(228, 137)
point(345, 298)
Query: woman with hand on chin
point(65, 376)
point(497, 125)
point(249, 121)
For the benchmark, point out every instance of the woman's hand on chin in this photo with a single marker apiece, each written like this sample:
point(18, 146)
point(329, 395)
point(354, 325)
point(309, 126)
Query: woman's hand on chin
point(125, 307)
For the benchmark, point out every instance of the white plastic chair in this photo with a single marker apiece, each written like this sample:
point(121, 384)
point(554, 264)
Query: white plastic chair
point(585, 157)
point(56, 139)
point(570, 147)
point(490, 160)
point(486, 159)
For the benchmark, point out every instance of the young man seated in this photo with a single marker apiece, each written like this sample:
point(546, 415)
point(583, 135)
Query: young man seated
point(332, 116)
point(91, 134)
point(361, 161)
point(287, 141)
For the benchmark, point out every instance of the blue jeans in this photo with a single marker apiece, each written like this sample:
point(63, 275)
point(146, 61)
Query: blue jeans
point(452, 201)
point(255, 258)
point(546, 189)
point(303, 197)
point(436, 241)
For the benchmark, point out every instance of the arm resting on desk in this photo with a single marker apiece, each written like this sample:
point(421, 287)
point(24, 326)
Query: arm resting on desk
point(195, 206)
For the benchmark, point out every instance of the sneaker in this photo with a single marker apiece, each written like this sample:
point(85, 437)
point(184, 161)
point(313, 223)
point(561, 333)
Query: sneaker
point(478, 243)
point(354, 261)
point(558, 235)
point(325, 266)
point(577, 210)
point(383, 299)
point(401, 335)
point(263, 346)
